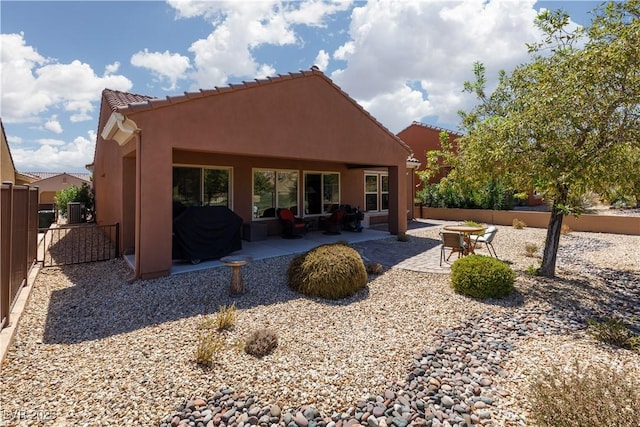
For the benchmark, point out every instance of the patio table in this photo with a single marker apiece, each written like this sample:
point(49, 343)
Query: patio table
point(467, 230)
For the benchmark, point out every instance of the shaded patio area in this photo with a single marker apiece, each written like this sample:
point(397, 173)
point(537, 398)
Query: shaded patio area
point(275, 246)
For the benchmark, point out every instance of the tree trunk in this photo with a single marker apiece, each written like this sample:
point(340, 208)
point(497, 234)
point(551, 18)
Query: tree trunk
point(548, 267)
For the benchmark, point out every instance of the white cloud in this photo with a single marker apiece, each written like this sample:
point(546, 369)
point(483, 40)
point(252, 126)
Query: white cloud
point(240, 28)
point(56, 155)
point(394, 45)
point(322, 60)
point(53, 125)
point(112, 68)
point(33, 84)
point(13, 139)
point(80, 117)
point(165, 65)
point(50, 141)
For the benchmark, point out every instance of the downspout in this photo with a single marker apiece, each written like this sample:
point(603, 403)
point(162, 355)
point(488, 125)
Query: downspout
point(138, 214)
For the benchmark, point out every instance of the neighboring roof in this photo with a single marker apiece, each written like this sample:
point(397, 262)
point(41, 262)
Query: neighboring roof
point(127, 103)
point(431, 127)
point(47, 175)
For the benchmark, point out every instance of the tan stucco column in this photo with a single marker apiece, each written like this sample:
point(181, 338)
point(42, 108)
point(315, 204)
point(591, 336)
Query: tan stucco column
point(397, 200)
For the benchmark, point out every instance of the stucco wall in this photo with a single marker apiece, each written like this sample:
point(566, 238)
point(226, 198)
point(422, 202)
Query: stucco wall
point(593, 223)
point(300, 123)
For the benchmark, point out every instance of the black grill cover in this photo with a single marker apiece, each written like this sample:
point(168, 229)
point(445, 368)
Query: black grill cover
point(206, 232)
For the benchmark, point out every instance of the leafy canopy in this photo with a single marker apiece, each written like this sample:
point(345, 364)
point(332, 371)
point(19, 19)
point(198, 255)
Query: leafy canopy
point(567, 122)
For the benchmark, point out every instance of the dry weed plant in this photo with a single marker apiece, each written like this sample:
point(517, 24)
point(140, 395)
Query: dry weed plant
point(518, 224)
point(584, 395)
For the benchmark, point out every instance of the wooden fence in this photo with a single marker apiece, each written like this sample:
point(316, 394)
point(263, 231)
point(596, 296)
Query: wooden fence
point(18, 242)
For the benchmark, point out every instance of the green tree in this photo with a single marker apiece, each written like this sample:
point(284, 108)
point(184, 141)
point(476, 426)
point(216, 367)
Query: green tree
point(83, 194)
point(567, 122)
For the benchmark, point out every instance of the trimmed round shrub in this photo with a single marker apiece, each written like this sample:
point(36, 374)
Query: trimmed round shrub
point(481, 276)
point(330, 271)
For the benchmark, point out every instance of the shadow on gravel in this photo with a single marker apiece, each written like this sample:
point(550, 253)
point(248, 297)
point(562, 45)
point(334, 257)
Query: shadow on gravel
point(582, 295)
point(102, 303)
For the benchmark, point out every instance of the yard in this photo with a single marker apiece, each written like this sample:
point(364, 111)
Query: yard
point(93, 349)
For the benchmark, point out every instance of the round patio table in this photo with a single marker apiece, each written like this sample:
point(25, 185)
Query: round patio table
point(236, 262)
point(467, 230)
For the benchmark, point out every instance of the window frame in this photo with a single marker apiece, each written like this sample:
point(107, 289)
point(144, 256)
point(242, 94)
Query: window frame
point(202, 168)
point(380, 192)
point(276, 171)
point(322, 190)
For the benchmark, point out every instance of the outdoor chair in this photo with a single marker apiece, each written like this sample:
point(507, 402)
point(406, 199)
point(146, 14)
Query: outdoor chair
point(453, 241)
point(333, 223)
point(487, 238)
point(292, 226)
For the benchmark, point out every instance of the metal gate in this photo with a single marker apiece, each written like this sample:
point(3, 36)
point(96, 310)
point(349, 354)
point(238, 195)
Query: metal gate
point(77, 244)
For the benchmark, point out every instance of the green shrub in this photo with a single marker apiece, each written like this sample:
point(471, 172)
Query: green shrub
point(614, 332)
point(595, 395)
point(83, 194)
point(532, 270)
point(208, 346)
point(331, 271)
point(481, 276)
point(261, 342)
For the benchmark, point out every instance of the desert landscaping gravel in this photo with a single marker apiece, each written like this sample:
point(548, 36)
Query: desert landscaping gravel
point(94, 349)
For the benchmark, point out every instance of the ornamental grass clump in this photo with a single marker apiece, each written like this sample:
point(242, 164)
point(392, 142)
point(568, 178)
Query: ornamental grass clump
point(589, 395)
point(518, 224)
point(261, 342)
point(225, 317)
point(614, 332)
point(330, 271)
point(481, 276)
point(208, 346)
point(530, 249)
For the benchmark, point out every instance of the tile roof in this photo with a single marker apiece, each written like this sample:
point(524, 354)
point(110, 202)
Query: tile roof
point(46, 175)
point(124, 103)
point(118, 100)
point(436, 128)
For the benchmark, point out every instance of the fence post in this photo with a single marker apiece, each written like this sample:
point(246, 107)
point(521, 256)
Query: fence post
point(5, 253)
point(117, 243)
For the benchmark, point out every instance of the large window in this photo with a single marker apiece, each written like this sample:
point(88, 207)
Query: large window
point(194, 186)
point(321, 192)
point(272, 190)
point(376, 191)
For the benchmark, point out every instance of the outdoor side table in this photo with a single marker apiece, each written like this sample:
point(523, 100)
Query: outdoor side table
point(236, 262)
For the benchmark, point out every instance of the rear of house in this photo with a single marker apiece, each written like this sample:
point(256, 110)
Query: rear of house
point(294, 141)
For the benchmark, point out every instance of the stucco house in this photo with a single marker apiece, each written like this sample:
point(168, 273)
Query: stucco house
point(421, 138)
point(49, 183)
point(295, 141)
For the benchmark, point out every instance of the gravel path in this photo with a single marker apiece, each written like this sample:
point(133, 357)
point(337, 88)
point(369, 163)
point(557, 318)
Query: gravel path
point(93, 349)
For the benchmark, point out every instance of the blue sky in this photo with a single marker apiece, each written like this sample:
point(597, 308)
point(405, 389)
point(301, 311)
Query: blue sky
point(401, 60)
